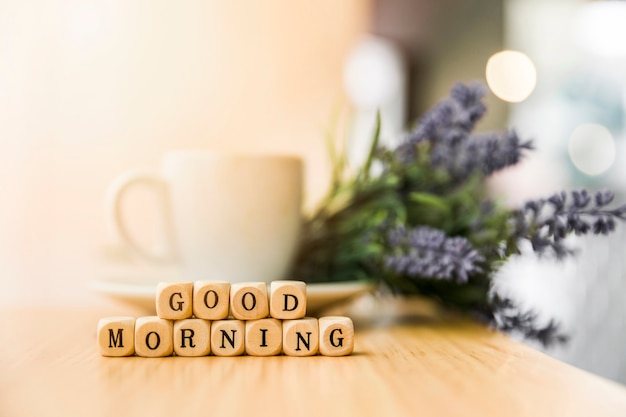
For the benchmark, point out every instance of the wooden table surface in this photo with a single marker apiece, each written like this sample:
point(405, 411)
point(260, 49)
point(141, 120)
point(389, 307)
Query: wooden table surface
point(405, 365)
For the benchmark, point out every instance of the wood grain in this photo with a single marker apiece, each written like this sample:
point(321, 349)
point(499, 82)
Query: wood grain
point(406, 366)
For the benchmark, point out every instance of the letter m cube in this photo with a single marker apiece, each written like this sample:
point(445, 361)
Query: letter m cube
point(116, 336)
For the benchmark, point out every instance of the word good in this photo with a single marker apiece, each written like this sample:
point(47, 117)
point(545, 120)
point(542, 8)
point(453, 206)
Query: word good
point(223, 319)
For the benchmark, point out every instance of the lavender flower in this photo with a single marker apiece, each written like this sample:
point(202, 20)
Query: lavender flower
point(509, 317)
point(470, 98)
point(492, 152)
point(447, 129)
point(547, 222)
point(428, 253)
point(448, 123)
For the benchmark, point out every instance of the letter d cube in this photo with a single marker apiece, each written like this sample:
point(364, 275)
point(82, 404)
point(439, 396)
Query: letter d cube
point(287, 299)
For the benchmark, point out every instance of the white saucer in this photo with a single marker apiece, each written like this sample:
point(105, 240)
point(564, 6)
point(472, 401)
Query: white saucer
point(140, 291)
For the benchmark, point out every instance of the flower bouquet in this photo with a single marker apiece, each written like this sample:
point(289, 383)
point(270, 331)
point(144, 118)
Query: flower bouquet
point(418, 218)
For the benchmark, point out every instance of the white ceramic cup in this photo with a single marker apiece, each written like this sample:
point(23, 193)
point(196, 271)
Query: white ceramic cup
point(232, 217)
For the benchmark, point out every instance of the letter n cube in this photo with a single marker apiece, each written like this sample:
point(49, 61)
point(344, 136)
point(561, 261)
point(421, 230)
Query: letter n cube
point(300, 337)
point(227, 337)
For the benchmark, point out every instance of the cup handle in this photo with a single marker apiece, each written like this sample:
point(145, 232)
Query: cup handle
point(117, 192)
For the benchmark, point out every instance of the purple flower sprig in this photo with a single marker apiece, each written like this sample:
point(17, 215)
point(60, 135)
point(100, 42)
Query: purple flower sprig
point(426, 252)
point(488, 153)
point(547, 222)
point(511, 318)
point(448, 123)
point(447, 130)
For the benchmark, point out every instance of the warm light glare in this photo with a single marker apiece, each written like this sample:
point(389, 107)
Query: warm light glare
point(511, 75)
point(592, 149)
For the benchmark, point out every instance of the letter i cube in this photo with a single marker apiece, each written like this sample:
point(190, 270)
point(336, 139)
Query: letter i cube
point(336, 336)
point(116, 336)
point(174, 300)
point(287, 299)
point(264, 337)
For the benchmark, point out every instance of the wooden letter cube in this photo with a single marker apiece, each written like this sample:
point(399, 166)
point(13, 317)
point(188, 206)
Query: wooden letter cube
point(174, 300)
point(336, 336)
point(192, 337)
point(287, 299)
point(153, 337)
point(116, 336)
point(249, 301)
point(300, 337)
point(227, 337)
point(264, 337)
point(211, 299)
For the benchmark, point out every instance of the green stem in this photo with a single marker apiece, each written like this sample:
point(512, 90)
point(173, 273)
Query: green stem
point(365, 171)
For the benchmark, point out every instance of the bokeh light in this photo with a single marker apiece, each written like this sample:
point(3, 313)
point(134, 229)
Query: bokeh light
point(592, 149)
point(600, 28)
point(511, 75)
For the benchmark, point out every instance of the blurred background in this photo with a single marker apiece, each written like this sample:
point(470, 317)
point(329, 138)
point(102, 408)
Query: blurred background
point(89, 89)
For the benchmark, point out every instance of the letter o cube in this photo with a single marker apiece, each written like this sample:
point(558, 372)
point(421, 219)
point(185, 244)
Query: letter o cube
point(174, 300)
point(248, 300)
point(287, 299)
point(211, 299)
point(153, 337)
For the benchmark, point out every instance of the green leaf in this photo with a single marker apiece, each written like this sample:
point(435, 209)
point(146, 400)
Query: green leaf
point(430, 200)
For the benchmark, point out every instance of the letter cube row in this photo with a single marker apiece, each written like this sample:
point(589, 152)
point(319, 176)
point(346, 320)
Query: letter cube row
point(214, 300)
point(157, 337)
